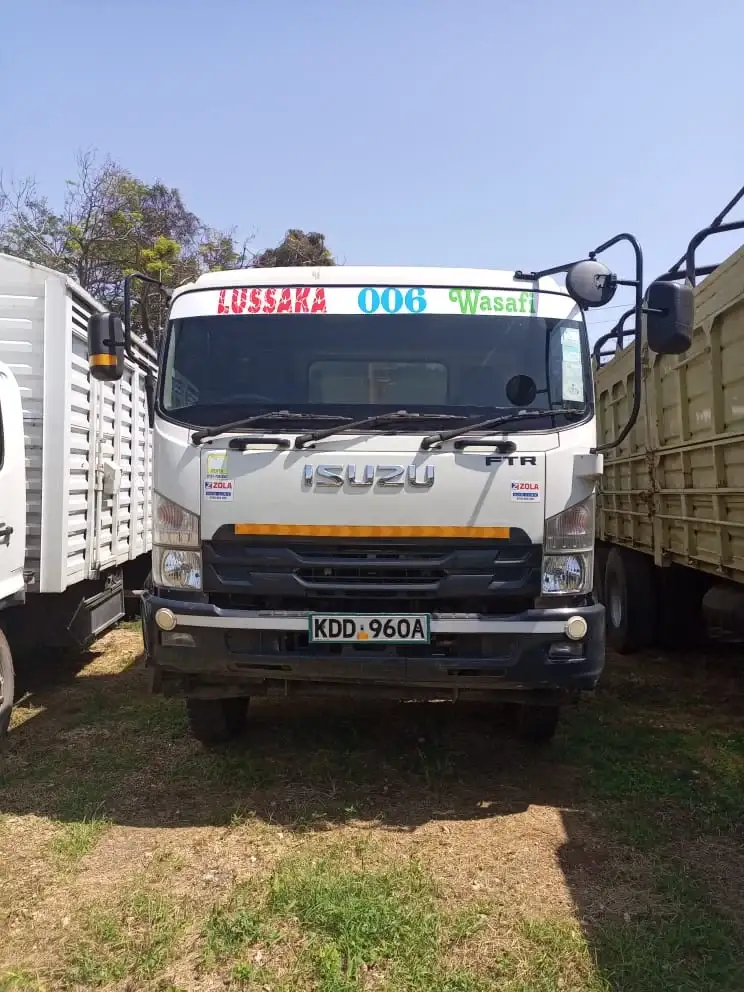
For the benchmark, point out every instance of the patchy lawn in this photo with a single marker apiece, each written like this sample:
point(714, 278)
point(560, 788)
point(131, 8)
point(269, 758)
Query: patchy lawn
point(367, 846)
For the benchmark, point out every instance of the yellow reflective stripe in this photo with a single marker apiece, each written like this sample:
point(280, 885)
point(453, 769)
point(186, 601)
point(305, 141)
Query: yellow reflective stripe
point(102, 360)
point(340, 530)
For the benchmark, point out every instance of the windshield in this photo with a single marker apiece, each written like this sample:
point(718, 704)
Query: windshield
point(222, 367)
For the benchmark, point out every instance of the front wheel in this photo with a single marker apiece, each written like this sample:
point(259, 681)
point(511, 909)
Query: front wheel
point(537, 724)
point(216, 721)
point(7, 684)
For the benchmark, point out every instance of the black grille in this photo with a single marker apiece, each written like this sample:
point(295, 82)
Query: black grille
point(366, 574)
point(375, 552)
point(475, 576)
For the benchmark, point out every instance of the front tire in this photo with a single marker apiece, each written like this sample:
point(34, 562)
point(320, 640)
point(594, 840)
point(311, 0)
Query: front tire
point(7, 684)
point(631, 612)
point(537, 724)
point(216, 721)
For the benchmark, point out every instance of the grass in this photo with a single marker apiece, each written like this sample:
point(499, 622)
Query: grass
point(355, 920)
point(78, 838)
point(663, 776)
point(20, 981)
point(350, 926)
point(134, 940)
point(688, 947)
point(370, 847)
point(229, 931)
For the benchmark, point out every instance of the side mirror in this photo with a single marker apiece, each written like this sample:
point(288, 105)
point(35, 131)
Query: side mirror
point(669, 309)
point(106, 347)
point(591, 283)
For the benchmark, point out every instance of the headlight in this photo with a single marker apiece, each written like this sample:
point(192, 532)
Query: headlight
point(176, 568)
point(173, 525)
point(571, 529)
point(564, 575)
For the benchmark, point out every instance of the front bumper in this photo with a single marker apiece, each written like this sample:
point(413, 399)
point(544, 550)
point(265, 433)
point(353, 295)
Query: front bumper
point(214, 651)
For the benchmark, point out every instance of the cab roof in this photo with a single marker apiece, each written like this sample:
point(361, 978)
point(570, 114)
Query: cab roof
point(369, 275)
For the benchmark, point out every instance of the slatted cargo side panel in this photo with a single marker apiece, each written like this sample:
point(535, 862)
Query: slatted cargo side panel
point(140, 541)
point(125, 440)
point(109, 424)
point(624, 494)
point(698, 433)
point(22, 301)
point(109, 410)
point(81, 476)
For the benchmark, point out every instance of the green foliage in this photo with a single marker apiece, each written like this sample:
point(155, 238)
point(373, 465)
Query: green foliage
point(112, 225)
point(297, 248)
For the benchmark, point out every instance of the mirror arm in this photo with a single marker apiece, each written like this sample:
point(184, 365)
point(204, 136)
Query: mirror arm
point(534, 276)
point(673, 275)
point(714, 225)
point(701, 236)
point(637, 311)
point(617, 332)
point(600, 342)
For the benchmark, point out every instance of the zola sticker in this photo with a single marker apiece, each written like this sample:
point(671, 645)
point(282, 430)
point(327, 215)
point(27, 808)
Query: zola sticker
point(217, 465)
point(525, 492)
point(219, 489)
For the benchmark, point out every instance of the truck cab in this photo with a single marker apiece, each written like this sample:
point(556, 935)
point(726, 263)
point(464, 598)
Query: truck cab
point(333, 512)
point(373, 480)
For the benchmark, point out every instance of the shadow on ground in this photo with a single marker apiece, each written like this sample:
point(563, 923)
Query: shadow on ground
point(648, 780)
point(102, 742)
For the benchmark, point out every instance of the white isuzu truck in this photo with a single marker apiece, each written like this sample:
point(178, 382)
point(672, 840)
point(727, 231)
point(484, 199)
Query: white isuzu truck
point(377, 479)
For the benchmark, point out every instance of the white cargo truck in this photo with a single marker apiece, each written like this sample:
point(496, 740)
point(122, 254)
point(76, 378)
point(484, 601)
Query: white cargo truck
point(670, 520)
point(377, 479)
point(75, 472)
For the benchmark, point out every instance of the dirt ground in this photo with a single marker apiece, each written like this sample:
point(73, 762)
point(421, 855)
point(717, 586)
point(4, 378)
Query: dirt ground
point(362, 845)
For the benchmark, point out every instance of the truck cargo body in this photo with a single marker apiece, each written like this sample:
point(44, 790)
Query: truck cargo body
point(670, 510)
point(85, 465)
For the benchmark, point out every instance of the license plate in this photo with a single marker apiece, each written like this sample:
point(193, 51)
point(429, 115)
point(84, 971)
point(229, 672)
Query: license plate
point(389, 628)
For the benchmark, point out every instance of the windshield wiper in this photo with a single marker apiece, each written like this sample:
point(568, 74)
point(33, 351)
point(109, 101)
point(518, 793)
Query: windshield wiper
point(431, 439)
point(379, 418)
point(201, 435)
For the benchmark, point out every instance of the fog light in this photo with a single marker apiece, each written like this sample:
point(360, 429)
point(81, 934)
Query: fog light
point(166, 619)
point(576, 628)
point(180, 639)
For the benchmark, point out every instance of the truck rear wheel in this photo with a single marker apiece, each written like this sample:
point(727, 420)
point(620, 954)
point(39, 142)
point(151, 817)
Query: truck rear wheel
point(215, 721)
point(630, 600)
point(681, 620)
point(7, 684)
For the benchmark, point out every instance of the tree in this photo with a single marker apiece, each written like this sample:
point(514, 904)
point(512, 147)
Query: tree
point(297, 248)
point(111, 225)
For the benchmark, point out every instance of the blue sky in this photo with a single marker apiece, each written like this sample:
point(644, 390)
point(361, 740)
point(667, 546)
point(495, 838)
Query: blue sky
point(409, 131)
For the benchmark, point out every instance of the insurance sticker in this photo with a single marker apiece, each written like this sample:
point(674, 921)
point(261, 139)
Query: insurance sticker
point(217, 465)
point(525, 492)
point(219, 489)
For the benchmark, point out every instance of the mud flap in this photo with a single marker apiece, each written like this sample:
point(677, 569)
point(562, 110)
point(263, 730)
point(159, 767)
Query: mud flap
point(98, 613)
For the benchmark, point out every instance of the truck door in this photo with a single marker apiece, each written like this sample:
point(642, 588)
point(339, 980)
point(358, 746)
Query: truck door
point(12, 487)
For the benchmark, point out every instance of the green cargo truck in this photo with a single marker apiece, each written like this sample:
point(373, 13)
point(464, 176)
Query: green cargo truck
point(670, 506)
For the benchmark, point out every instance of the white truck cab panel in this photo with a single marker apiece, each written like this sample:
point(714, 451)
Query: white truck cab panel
point(12, 489)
